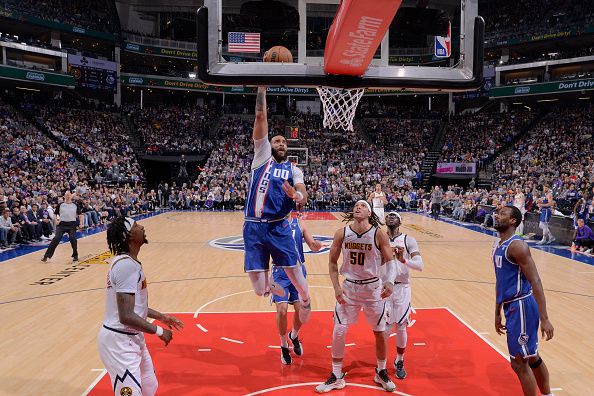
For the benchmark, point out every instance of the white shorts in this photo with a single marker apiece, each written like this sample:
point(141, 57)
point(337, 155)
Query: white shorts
point(380, 213)
point(127, 360)
point(366, 297)
point(399, 307)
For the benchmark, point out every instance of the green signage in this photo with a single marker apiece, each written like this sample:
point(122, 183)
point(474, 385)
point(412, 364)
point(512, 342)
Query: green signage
point(14, 73)
point(55, 25)
point(194, 85)
point(570, 32)
point(542, 88)
point(159, 51)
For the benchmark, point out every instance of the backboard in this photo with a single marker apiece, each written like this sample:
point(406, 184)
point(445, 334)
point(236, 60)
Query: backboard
point(434, 45)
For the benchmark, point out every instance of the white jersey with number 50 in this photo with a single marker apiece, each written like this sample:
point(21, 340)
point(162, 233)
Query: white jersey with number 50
point(361, 258)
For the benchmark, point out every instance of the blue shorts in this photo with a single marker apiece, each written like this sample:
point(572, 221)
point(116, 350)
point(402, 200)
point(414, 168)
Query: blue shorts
point(263, 240)
point(521, 321)
point(280, 277)
point(545, 216)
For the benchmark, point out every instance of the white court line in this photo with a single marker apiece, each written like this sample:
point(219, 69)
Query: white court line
point(204, 350)
point(484, 333)
point(97, 369)
point(202, 328)
point(277, 346)
point(351, 344)
point(419, 344)
point(90, 388)
point(231, 340)
point(505, 355)
point(556, 389)
point(317, 383)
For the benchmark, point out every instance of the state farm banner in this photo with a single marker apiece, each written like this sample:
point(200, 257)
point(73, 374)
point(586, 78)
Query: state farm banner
point(460, 168)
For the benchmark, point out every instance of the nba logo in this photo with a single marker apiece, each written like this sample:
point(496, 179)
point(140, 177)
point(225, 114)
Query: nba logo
point(443, 45)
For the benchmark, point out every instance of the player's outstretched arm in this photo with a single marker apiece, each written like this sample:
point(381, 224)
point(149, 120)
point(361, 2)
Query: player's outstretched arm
point(333, 264)
point(519, 252)
point(129, 318)
point(314, 245)
point(261, 121)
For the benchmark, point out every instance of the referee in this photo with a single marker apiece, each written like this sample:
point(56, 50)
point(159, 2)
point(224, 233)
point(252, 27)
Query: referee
point(66, 218)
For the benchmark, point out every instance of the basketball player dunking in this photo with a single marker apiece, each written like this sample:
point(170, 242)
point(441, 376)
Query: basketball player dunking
point(121, 339)
point(291, 296)
point(519, 291)
point(378, 201)
point(406, 253)
point(275, 185)
point(363, 244)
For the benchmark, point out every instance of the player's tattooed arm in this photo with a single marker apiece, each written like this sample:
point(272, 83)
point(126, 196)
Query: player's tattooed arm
point(261, 121)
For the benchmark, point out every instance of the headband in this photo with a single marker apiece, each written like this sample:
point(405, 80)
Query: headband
point(129, 223)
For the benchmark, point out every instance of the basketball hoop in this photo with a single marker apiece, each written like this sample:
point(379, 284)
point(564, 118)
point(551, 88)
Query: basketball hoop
point(339, 106)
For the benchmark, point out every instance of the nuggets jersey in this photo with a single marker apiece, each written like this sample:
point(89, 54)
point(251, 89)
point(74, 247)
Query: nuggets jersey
point(265, 197)
point(510, 282)
point(125, 275)
point(361, 257)
point(403, 275)
point(377, 202)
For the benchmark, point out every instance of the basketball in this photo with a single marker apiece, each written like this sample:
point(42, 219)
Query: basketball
point(278, 54)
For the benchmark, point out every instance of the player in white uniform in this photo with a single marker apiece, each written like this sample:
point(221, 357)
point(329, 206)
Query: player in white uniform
point(520, 203)
point(406, 253)
point(362, 245)
point(378, 201)
point(121, 339)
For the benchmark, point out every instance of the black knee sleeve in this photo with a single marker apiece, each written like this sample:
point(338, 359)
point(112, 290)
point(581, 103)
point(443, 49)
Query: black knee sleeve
point(536, 364)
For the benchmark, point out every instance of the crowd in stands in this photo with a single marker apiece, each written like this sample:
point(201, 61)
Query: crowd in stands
point(477, 137)
point(98, 136)
point(36, 170)
point(508, 19)
point(89, 14)
point(175, 128)
point(557, 152)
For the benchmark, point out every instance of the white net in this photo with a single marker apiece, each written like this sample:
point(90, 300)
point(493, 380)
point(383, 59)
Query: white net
point(339, 106)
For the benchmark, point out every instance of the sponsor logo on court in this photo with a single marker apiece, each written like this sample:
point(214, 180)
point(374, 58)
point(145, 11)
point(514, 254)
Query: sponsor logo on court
point(422, 230)
point(235, 243)
point(101, 258)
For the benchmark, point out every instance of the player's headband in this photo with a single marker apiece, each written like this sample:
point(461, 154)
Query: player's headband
point(129, 223)
point(394, 213)
point(366, 204)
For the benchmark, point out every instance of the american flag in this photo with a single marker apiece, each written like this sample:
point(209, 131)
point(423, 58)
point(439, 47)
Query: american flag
point(244, 42)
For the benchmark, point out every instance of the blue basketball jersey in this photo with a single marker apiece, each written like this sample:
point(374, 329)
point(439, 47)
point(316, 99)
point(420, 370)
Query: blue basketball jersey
point(298, 237)
point(510, 282)
point(265, 196)
point(546, 212)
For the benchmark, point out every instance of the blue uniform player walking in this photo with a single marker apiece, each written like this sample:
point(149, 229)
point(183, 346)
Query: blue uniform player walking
point(275, 186)
point(546, 204)
point(520, 293)
point(291, 295)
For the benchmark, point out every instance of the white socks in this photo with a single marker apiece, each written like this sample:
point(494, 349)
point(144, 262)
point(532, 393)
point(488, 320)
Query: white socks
point(381, 364)
point(337, 369)
point(399, 357)
point(293, 334)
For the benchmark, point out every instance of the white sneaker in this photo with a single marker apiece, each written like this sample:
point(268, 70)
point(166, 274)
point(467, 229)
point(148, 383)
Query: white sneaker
point(331, 384)
point(382, 378)
point(588, 251)
point(541, 242)
point(552, 239)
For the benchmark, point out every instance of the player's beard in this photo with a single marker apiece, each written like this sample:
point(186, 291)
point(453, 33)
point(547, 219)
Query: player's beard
point(278, 156)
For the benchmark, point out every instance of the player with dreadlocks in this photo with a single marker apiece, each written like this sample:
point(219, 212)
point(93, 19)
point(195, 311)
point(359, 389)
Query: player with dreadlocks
point(121, 339)
point(363, 244)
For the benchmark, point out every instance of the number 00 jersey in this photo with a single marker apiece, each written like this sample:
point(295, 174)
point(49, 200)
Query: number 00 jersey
point(361, 257)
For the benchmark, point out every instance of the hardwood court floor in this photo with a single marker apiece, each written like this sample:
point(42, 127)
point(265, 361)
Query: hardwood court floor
point(52, 312)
